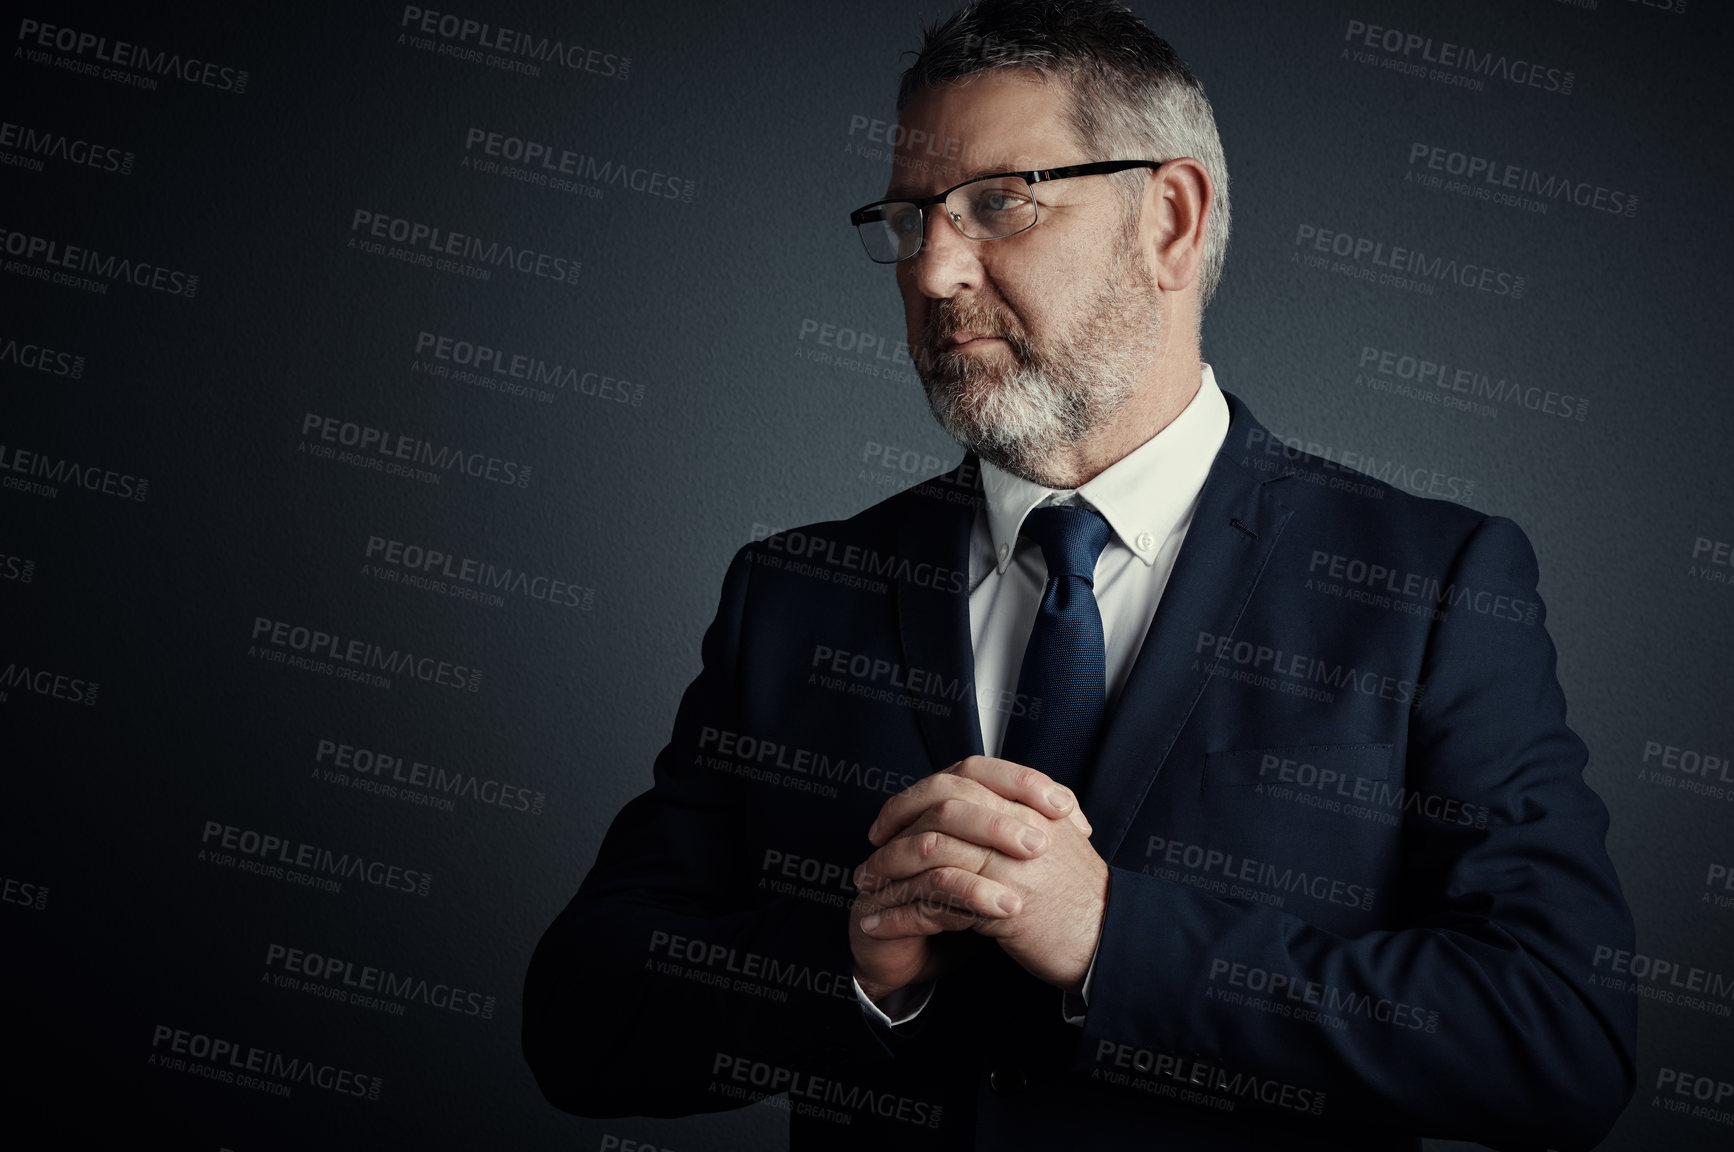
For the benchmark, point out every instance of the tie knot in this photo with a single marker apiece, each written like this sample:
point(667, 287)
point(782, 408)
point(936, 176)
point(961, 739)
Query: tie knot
point(1071, 537)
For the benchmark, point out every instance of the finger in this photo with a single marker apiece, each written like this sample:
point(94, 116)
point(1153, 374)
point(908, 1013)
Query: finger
point(928, 842)
point(915, 852)
point(940, 900)
point(1003, 776)
point(906, 807)
point(1019, 782)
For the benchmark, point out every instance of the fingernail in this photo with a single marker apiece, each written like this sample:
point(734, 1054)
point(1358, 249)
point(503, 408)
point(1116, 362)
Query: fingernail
point(1060, 798)
point(1032, 840)
point(868, 923)
point(1007, 903)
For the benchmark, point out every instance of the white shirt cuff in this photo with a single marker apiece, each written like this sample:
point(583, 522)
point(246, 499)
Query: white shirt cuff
point(905, 1004)
point(1073, 1007)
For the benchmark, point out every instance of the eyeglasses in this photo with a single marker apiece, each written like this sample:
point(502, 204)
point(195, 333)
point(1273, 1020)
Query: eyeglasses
point(985, 208)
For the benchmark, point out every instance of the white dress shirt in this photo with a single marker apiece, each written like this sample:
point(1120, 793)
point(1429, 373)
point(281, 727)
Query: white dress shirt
point(1148, 498)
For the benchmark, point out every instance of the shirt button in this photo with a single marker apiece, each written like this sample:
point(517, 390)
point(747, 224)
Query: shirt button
point(1007, 1081)
point(1004, 551)
point(1145, 541)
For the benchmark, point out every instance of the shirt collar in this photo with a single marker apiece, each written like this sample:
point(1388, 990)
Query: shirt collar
point(1143, 495)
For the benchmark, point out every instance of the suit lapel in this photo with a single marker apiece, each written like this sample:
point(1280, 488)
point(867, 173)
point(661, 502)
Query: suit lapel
point(1233, 531)
point(933, 622)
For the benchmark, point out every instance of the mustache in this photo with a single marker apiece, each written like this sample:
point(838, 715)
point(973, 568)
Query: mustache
point(948, 318)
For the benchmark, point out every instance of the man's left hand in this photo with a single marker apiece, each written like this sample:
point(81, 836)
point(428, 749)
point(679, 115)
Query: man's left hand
point(1061, 890)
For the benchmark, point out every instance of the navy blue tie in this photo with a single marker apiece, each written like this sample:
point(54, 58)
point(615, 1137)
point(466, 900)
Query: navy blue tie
point(1063, 681)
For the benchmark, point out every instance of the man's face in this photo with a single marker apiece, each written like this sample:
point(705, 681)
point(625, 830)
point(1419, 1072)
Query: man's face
point(1024, 344)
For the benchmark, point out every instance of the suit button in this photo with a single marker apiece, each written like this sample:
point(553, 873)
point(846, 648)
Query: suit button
point(1007, 1081)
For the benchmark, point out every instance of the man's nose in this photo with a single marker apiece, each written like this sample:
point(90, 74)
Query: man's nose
point(949, 262)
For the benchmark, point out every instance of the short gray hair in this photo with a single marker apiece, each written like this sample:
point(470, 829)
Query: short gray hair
point(1130, 95)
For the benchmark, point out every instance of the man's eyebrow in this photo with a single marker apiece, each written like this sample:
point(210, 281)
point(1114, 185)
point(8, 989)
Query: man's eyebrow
point(896, 193)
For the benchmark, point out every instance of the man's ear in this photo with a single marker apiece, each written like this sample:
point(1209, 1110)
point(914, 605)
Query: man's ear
point(1175, 207)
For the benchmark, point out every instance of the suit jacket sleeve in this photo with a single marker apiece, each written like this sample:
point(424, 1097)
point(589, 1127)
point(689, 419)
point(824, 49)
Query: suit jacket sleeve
point(1498, 923)
point(608, 1028)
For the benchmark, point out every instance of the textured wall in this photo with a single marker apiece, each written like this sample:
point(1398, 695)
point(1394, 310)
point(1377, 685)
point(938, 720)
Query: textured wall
point(202, 301)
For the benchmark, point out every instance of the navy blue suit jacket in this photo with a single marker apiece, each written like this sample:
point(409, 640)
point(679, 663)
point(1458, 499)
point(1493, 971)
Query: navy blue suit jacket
point(1356, 884)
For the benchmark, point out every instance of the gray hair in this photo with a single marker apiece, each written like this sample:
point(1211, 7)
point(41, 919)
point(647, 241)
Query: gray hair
point(1130, 96)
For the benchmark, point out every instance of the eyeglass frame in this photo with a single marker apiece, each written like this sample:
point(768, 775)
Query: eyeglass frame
point(1037, 176)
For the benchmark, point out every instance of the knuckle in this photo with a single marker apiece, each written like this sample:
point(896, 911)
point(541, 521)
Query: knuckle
point(929, 845)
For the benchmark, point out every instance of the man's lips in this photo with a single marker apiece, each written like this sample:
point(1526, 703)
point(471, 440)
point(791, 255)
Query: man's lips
point(959, 339)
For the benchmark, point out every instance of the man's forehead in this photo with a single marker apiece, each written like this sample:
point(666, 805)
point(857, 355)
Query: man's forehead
point(1008, 121)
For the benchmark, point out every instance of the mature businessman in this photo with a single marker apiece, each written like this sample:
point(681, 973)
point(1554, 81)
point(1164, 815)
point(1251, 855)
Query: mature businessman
point(1142, 782)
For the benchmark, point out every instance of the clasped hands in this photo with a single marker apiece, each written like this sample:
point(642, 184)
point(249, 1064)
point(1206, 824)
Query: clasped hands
point(986, 846)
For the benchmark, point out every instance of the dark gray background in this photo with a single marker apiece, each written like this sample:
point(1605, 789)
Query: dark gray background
point(711, 307)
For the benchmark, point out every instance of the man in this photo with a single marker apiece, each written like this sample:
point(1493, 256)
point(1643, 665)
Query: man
point(1138, 783)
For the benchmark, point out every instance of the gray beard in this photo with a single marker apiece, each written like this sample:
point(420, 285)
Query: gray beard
point(1051, 397)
